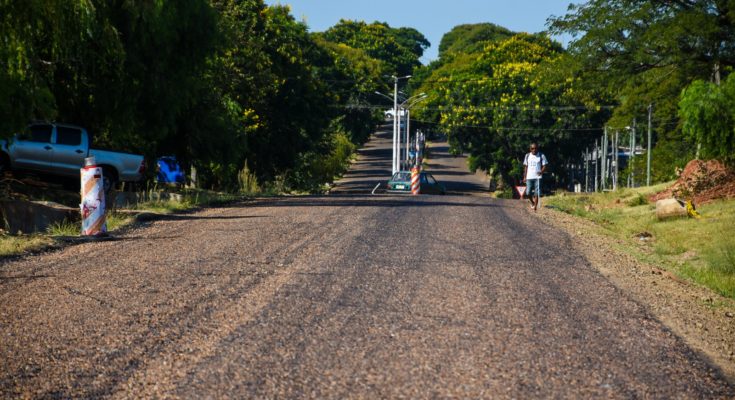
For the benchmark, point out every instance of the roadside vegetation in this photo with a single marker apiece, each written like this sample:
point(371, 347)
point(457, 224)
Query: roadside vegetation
point(222, 85)
point(233, 85)
point(156, 200)
point(259, 105)
point(698, 249)
point(493, 91)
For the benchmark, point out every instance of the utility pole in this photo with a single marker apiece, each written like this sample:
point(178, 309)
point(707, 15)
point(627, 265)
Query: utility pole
point(587, 170)
point(396, 124)
point(648, 162)
point(408, 132)
point(604, 174)
point(632, 153)
point(615, 156)
point(597, 164)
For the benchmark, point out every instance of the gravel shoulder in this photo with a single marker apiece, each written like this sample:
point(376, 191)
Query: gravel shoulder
point(704, 319)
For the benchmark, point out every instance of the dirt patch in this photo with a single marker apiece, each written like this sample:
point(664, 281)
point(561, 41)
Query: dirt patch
point(29, 187)
point(702, 182)
point(704, 319)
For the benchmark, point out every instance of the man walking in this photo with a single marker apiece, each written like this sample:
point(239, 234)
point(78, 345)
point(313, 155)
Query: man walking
point(534, 166)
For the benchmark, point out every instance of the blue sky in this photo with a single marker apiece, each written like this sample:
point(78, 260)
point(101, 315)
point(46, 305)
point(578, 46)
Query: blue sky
point(432, 18)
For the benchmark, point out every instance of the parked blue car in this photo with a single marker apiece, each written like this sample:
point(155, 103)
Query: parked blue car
point(169, 171)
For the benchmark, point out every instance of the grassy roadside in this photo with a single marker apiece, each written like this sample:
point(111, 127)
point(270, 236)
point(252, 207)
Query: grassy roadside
point(700, 250)
point(13, 245)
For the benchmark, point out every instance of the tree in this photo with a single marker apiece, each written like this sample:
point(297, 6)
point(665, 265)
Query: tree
point(708, 113)
point(492, 100)
point(644, 52)
point(471, 38)
point(398, 49)
point(42, 40)
point(353, 77)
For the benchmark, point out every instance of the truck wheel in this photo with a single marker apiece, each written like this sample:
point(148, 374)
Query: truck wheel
point(109, 179)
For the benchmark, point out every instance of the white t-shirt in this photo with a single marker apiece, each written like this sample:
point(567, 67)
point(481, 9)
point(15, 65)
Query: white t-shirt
point(534, 164)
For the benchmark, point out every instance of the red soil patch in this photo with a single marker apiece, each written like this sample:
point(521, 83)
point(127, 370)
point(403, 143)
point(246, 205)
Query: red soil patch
point(702, 182)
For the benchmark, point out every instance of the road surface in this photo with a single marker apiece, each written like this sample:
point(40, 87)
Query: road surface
point(342, 296)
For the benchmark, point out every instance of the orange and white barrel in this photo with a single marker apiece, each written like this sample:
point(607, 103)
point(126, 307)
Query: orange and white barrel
point(415, 184)
point(93, 200)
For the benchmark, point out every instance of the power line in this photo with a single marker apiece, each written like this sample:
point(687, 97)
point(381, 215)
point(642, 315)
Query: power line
point(516, 129)
point(668, 122)
point(489, 108)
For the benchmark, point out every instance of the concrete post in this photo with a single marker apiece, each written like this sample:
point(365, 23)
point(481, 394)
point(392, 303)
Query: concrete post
point(93, 199)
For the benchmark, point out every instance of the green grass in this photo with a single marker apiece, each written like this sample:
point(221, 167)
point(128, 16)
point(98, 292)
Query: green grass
point(18, 244)
point(67, 228)
point(702, 250)
point(191, 199)
point(64, 228)
point(30, 189)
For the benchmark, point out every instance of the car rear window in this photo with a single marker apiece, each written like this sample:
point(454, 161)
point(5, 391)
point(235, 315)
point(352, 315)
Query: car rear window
point(402, 176)
point(68, 136)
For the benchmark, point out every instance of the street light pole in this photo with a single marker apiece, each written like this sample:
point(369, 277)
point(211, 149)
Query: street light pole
point(406, 105)
point(396, 124)
point(408, 132)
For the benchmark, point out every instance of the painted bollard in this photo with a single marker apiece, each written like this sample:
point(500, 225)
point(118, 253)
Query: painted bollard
point(415, 184)
point(93, 199)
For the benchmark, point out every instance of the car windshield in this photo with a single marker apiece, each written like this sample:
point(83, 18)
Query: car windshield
point(401, 177)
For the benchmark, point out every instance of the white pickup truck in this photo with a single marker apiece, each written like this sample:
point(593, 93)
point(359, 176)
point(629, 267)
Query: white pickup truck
point(60, 149)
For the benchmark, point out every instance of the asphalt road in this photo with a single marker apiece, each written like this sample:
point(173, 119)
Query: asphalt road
point(340, 296)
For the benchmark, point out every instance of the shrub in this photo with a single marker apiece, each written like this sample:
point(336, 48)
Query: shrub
point(248, 182)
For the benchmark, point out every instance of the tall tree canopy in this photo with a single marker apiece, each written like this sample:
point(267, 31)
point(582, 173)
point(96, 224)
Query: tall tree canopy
point(470, 38)
point(400, 49)
point(495, 95)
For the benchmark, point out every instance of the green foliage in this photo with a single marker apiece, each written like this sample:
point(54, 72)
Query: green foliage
point(708, 112)
point(399, 49)
point(214, 82)
point(490, 103)
point(646, 52)
point(354, 77)
point(41, 40)
point(318, 168)
point(471, 38)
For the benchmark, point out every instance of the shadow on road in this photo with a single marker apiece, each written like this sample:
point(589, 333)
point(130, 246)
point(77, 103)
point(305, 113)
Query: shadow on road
point(378, 200)
point(171, 217)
